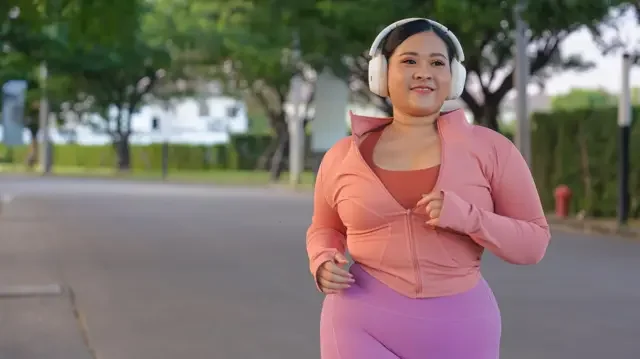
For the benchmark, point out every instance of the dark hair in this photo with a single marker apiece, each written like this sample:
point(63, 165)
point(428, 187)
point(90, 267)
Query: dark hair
point(404, 31)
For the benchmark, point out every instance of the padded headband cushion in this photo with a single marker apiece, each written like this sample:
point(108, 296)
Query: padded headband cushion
point(376, 45)
point(402, 33)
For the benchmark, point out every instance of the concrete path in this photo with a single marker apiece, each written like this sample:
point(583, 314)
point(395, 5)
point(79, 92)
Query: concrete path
point(188, 271)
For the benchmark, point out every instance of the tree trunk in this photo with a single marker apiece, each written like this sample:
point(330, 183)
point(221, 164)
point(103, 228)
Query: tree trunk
point(123, 152)
point(32, 157)
point(279, 155)
point(264, 161)
point(487, 115)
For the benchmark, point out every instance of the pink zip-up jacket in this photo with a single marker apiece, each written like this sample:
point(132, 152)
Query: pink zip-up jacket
point(490, 202)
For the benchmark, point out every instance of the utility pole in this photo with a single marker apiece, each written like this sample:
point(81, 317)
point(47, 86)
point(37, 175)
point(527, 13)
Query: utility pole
point(165, 129)
point(52, 9)
point(624, 129)
point(297, 101)
point(523, 133)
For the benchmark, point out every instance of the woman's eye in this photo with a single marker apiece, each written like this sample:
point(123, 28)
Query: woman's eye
point(409, 61)
point(438, 63)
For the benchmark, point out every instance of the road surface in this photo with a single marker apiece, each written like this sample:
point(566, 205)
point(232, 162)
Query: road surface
point(187, 271)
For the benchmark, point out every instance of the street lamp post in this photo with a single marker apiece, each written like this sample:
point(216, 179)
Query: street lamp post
point(523, 133)
point(165, 131)
point(296, 113)
point(45, 140)
point(624, 129)
point(296, 110)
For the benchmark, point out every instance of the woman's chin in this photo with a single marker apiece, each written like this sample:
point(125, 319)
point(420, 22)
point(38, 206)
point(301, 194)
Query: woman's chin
point(425, 109)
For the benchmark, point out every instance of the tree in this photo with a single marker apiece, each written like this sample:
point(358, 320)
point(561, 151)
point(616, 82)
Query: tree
point(588, 98)
point(118, 85)
point(113, 70)
point(343, 31)
point(98, 55)
point(583, 98)
point(15, 66)
point(248, 55)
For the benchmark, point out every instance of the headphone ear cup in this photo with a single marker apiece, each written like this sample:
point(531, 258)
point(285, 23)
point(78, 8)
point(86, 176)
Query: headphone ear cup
point(458, 79)
point(378, 75)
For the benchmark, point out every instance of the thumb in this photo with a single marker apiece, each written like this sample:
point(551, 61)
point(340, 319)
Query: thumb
point(340, 258)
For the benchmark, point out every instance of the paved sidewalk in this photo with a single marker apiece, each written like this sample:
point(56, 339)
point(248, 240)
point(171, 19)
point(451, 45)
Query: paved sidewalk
point(37, 321)
point(603, 226)
point(40, 328)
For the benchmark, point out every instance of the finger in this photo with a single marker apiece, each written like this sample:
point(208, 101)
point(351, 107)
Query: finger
point(426, 198)
point(335, 269)
point(434, 213)
point(327, 284)
point(434, 205)
point(340, 258)
point(334, 278)
point(330, 271)
point(424, 201)
point(433, 222)
point(337, 276)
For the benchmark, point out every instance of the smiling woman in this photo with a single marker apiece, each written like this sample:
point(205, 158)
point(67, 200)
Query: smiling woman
point(419, 60)
point(416, 199)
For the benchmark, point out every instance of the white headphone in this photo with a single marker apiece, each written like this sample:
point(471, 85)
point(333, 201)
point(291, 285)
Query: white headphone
point(378, 63)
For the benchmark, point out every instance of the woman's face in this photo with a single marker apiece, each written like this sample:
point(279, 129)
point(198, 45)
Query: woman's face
point(419, 77)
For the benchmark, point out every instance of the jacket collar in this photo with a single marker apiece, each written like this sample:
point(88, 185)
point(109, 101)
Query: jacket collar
point(452, 122)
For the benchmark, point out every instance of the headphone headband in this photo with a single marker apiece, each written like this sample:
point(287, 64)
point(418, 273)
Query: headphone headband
point(376, 43)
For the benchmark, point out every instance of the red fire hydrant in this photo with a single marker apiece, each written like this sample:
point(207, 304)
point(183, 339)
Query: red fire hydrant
point(563, 197)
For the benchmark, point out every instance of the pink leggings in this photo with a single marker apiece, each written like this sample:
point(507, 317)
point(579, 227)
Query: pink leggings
point(371, 321)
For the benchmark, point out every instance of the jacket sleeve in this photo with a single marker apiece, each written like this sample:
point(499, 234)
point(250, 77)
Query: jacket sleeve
point(517, 230)
point(326, 235)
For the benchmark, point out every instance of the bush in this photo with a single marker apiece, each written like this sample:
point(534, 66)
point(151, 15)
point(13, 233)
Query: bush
point(241, 153)
point(580, 149)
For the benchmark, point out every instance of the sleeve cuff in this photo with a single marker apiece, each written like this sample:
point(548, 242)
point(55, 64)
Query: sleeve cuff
point(318, 261)
point(455, 213)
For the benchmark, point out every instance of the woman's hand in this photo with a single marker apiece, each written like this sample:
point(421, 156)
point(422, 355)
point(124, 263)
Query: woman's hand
point(432, 203)
point(331, 277)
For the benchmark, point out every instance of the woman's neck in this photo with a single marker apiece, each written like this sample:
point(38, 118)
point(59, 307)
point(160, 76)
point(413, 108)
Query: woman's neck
point(410, 127)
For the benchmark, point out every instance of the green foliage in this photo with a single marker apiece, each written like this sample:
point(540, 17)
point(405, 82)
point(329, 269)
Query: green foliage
point(583, 99)
point(241, 44)
point(338, 33)
point(93, 47)
point(248, 148)
point(579, 148)
point(588, 98)
point(240, 154)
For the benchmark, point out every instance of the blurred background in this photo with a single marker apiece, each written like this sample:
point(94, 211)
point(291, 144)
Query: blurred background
point(204, 90)
point(144, 116)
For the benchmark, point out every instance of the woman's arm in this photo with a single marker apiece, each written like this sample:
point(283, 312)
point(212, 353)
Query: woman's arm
point(326, 235)
point(518, 231)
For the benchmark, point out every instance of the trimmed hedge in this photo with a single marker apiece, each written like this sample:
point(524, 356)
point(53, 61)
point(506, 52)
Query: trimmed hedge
point(580, 149)
point(241, 153)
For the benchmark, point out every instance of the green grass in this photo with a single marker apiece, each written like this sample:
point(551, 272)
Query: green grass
point(217, 177)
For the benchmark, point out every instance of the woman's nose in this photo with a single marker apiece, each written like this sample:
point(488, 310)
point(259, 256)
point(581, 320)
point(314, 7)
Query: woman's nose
point(422, 74)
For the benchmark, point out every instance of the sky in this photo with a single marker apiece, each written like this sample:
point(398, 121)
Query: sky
point(607, 73)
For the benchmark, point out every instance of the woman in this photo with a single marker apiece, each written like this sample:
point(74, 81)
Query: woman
point(416, 199)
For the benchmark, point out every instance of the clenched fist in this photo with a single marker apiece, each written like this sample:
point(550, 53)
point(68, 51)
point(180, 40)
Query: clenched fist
point(331, 277)
point(432, 203)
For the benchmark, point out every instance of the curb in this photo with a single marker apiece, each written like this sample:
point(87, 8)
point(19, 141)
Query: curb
point(21, 291)
point(589, 227)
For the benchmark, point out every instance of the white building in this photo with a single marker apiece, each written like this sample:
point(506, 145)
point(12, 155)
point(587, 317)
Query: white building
point(192, 121)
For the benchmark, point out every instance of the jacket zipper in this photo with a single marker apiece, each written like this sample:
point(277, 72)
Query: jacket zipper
point(408, 211)
point(414, 254)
